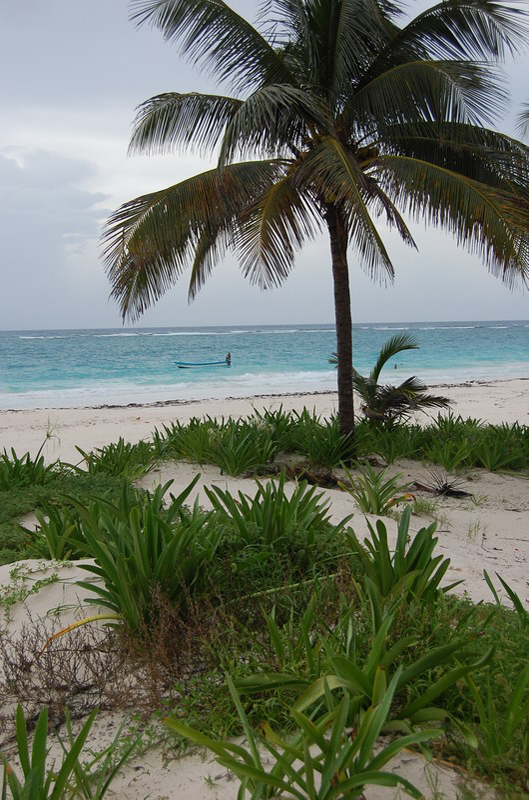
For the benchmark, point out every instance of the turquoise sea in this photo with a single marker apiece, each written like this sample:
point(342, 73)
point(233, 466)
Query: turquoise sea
point(64, 368)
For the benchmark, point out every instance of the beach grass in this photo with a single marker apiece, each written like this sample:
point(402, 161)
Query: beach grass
point(281, 601)
point(247, 446)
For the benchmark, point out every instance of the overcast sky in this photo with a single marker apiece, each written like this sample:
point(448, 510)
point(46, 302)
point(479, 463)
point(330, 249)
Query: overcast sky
point(73, 73)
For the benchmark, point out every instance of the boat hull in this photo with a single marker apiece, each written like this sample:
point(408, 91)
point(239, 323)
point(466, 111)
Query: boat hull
point(190, 364)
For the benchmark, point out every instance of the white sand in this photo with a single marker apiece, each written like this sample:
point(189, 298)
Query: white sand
point(494, 402)
point(490, 533)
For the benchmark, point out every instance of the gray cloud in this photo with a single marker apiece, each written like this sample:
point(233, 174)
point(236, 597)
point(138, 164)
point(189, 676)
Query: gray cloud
point(46, 214)
point(76, 72)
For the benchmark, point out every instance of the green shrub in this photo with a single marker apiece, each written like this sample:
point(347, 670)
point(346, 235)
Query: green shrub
point(324, 759)
point(120, 459)
point(140, 549)
point(20, 472)
point(238, 447)
point(373, 491)
point(59, 527)
point(13, 538)
point(411, 570)
point(273, 538)
point(73, 778)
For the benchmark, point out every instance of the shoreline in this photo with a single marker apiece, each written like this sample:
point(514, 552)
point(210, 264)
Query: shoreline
point(64, 429)
point(236, 398)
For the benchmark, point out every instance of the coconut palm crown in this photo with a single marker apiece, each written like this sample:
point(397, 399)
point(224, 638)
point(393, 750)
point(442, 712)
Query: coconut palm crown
point(343, 116)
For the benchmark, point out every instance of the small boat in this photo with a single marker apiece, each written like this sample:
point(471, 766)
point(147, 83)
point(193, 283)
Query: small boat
point(190, 364)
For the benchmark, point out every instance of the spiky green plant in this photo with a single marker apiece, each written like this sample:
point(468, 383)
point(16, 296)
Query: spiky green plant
point(320, 441)
point(58, 527)
point(523, 614)
point(120, 459)
point(41, 780)
point(374, 492)
point(352, 662)
point(272, 511)
point(139, 549)
point(411, 569)
point(499, 724)
point(450, 453)
point(38, 781)
point(326, 759)
point(241, 447)
point(23, 471)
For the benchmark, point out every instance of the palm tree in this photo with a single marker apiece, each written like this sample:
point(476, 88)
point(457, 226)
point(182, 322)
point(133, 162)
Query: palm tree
point(385, 404)
point(522, 121)
point(342, 112)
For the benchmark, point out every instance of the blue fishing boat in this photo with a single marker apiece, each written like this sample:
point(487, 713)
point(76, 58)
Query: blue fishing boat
point(191, 364)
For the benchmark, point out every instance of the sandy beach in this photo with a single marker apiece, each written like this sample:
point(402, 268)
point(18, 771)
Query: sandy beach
point(489, 530)
point(491, 401)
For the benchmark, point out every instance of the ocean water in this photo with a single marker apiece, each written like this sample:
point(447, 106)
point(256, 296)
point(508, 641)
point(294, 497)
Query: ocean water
point(65, 368)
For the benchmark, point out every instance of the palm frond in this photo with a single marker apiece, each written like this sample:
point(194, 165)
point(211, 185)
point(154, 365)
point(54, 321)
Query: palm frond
point(365, 387)
point(392, 403)
point(173, 121)
point(284, 24)
point(271, 230)
point(405, 398)
point(212, 33)
point(411, 386)
point(395, 344)
point(284, 21)
point(151, 240)
point(379, 204)
point(362, 29)
point(209, 251)
point(469, 29)
point(339, 40)
point(415, 389)
point(425, 91)
point(522, 122)
point(431, 401)
point(335, 177)
point(487, 221)
point(274, 119)
point(476, 152)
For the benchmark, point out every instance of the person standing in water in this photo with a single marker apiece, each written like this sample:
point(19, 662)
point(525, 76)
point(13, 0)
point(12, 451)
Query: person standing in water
point(228, 359)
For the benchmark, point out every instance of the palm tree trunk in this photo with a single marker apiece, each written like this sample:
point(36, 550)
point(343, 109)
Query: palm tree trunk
point(342, 314)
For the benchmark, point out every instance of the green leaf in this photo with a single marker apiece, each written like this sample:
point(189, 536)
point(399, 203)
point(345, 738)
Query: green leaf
point(213, 33)
point(22, 738)
point(317, 690)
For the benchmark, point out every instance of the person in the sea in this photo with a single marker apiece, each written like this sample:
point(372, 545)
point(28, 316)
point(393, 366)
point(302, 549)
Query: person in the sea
point(228, 359)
